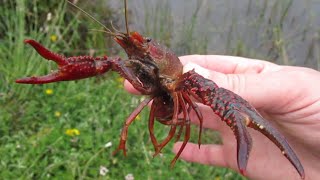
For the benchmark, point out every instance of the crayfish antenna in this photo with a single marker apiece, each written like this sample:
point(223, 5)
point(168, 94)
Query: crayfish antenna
point(126, 16)
point(108, 31)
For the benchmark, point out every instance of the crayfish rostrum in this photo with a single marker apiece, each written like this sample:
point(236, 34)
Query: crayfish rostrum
point(157, 72)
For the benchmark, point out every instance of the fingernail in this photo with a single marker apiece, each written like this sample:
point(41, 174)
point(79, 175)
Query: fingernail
point(200, 70)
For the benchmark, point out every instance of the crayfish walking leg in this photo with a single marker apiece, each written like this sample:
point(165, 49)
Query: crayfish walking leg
point(173, 124)
point(181, 103)
point(185, 122)
point(130, 119)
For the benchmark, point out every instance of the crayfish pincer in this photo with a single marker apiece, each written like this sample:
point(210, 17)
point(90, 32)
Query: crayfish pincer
point(157, 72)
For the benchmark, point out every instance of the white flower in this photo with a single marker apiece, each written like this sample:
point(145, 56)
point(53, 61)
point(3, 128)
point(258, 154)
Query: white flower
point(103, 170)
point(49, 16)
point(109, 144)
point(129, 177)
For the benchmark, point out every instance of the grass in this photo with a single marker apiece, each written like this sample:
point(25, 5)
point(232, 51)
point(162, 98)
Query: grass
point(34, 118)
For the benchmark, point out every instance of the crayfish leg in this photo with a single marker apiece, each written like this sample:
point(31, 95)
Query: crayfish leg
point(151, 126)
point(185, 141)
point(185, 116)
point(186, 122)
point(130, 119)
point(173, 125)
point(179, 133)
point(198, 113)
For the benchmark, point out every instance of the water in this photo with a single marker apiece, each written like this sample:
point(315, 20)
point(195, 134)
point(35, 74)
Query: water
point(285, 32)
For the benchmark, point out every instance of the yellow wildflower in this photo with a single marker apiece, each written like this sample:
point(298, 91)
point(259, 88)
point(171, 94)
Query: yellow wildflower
point(138, 117)
point(57, 114)
point(120, 79)
point(49, 91)
point(53, 38)
point(114, 161)
point(217, 178)
point(72, 132)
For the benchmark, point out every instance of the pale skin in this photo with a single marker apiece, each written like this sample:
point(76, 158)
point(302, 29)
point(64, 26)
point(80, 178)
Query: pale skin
point(287, 96)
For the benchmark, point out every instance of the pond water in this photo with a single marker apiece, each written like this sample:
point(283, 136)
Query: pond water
point(286, 31)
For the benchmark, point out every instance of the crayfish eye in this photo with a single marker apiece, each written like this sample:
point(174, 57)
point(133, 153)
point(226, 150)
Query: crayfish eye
point(148, 39)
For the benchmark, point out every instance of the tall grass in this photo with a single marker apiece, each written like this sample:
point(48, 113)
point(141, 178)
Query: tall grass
point(158, 22)
point(189, 40)
point(283, 32)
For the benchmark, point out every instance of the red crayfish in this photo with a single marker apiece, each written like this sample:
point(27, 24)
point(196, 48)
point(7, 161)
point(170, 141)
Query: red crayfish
point(157, 72)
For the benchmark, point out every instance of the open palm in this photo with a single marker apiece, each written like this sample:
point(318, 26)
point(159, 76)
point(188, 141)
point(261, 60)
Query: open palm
point(287, 96)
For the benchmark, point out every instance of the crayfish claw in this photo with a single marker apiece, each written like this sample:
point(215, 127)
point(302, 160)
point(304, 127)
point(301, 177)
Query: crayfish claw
point(244, 140)
point(72, 68)
point(263, 126)
point(53, 77)
point(238, 114)
point(46, 53)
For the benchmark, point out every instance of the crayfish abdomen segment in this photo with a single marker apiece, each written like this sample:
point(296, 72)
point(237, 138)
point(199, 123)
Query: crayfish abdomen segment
point(238, 114)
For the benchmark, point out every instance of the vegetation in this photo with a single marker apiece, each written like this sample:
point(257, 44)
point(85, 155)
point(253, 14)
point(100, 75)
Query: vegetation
point(68, 130)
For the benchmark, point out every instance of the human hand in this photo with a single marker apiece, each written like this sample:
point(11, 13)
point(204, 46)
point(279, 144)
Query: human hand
point(287, 96)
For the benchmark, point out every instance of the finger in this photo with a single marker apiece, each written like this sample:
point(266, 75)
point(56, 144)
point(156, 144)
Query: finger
point(128, 86)
point(210, 154)
point(261, 90)
point(229, 64)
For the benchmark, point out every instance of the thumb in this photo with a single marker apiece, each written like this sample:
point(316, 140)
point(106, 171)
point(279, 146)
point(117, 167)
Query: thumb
point(259, 89)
